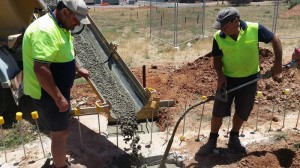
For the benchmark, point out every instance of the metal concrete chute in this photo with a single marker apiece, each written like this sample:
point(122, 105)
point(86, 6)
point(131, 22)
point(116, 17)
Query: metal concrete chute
point(17, 15)
point(119, 68)
point(109, 73)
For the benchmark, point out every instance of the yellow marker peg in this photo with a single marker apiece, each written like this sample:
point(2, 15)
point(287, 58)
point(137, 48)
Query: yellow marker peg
point(182, 138)
point(151, 90)
point(203, 98)
point(77, 111)
point(286, 91)
point(34, 115)
point(1, 120)
point(259, 94)
point(153, 104)
point(19, 116)
point(97, 107)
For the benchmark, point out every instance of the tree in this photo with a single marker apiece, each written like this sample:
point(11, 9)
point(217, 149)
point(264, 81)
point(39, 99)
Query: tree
point(239, 2)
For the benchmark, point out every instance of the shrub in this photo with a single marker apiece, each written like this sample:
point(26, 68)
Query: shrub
point(293, 3)
point(238, 2)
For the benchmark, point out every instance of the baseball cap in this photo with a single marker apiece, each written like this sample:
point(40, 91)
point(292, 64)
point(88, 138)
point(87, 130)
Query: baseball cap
point(224, 16)
point(79, 8)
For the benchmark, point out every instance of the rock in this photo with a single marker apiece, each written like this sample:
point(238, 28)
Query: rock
point(275, 119)
point(153, 66)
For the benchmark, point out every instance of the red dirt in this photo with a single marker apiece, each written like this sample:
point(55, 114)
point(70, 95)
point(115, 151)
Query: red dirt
point(295, 11)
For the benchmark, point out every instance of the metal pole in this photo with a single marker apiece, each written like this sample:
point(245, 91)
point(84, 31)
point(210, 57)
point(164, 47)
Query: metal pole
point(3, 142)
point(203, 98)
point(229, 120)
point(117, 132)
point(286, 92)
point(167, 122)
point(297, 120)
point(285, 106)
point(35, 116)
point(182, 138)
point(37, 126)
point(20, 129)
point(203, 18)
point(276, 16)
point(80, 136)
point(174, 24)
point(153, 106)
point(19, 119)
point(144, 76)
point(259, 96)
point(257, 116)
point(273, 109)
point(99, 129)
point(150, 19)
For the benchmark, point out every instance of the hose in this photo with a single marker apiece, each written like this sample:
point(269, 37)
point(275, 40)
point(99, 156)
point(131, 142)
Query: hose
point(163, 162)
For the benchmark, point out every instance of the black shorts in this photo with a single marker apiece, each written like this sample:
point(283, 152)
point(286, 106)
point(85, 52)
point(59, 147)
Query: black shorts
point(244, 98)
point(49, 114)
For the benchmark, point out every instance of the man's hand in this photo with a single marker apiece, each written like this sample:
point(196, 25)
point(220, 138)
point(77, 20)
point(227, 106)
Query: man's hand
point(276, 70)
point(62, 104)
point(83, 72)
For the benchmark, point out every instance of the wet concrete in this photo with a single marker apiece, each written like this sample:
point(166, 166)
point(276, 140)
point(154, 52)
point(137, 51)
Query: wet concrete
point(92, 57)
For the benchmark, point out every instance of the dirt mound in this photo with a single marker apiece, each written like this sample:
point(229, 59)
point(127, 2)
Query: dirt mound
point(295, 11)
point(199, 78)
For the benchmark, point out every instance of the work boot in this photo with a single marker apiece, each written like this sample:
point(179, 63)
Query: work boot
point(235, 143)
point(210, 145)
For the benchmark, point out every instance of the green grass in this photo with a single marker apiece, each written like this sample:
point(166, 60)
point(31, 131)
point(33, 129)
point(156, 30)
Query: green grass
point(80, 81)
point(15, 137)
point(280, 137)
point(296, 146)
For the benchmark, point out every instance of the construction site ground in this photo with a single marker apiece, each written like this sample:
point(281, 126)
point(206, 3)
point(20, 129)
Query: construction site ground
point(185, 84)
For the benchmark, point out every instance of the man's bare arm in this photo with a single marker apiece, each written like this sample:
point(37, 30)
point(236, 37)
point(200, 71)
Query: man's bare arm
point(277, 48)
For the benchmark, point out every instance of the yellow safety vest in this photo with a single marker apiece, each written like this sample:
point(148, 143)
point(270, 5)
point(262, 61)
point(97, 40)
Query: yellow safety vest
point(240, 57)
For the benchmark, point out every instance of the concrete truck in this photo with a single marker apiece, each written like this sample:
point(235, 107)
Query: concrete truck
point(15, 16)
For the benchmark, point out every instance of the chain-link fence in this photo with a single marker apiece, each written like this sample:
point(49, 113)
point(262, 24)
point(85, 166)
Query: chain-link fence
point(177, 23)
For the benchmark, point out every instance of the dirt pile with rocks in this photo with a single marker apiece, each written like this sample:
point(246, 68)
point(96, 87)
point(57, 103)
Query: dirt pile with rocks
point(198, 78)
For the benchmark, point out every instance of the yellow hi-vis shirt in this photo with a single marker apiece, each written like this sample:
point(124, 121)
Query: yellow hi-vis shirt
point(240, 57)
point(44, 41)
